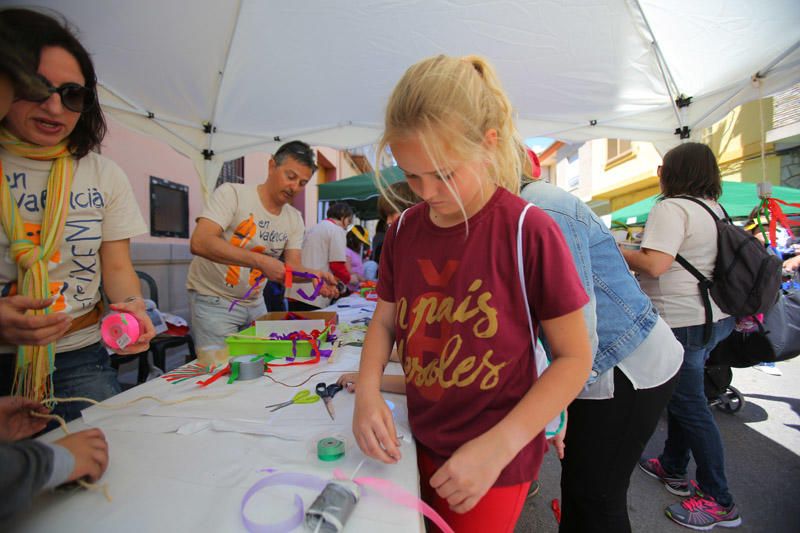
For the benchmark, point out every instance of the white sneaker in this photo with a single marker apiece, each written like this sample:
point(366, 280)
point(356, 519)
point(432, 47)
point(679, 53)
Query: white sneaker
point(769, 368)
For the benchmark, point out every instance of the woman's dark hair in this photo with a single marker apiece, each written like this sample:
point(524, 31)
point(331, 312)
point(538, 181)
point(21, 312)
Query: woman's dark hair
point(339, 210)
point(691, 169)
point(299, 151)
point(398, 195)
point(42, 31)
point(18, 62)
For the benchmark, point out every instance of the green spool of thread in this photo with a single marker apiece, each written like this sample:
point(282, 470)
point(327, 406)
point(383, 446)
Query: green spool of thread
point(330, 449)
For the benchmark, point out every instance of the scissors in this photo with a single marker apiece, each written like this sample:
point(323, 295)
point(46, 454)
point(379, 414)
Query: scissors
point(304, 396)
point(327, 392)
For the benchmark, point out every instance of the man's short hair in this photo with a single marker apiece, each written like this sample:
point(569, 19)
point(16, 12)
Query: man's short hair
point(299, 151)
point(339, 210)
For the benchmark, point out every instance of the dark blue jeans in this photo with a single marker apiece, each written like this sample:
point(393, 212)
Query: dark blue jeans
point(691, 425)
point(85, 372)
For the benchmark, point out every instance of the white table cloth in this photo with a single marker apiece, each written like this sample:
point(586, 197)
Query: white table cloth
point(186, 467)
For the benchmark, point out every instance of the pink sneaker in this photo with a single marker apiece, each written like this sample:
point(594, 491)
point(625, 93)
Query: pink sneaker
point(702, 513)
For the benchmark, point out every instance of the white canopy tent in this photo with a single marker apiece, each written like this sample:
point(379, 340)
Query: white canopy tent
point(219, 78)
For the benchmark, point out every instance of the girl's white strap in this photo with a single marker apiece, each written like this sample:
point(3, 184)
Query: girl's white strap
point(521, 274)
point(540, 356)
point(400, 221)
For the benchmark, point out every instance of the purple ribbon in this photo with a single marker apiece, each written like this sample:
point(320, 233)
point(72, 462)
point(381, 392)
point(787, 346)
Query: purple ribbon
point(317, 287)
point(255, 284)
point(306, 481)
point(295, 336)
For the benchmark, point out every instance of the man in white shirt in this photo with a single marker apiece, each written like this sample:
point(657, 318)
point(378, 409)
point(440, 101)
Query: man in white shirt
point(238, 242)
point(325, 249)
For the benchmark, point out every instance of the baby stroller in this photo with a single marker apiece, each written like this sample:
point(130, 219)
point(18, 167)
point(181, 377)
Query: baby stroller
point(775, 338)
point(719, 391)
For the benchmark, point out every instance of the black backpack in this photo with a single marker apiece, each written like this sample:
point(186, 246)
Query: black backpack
point(746, 278)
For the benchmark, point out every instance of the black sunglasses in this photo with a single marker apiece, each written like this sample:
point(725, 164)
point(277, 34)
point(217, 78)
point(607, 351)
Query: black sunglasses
point(74, 97)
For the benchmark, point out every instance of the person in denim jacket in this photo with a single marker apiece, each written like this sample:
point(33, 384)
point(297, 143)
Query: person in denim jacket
point(636, 359)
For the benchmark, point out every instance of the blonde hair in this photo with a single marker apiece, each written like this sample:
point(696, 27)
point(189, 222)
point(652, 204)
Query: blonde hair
point(451, 103)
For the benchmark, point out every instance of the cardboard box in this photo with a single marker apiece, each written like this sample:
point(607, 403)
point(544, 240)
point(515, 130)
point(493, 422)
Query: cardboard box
point(242, 345)
point(327, 316)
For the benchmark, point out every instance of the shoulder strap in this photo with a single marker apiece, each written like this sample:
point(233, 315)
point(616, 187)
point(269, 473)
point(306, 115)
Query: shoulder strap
point(521, 273)
point(703, 283)
point(400, 221)
point(555, 426)
point(704, 206)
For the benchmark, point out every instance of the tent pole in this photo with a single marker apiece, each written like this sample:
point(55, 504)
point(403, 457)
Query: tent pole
point(663, 68)
point(221, 80)
point(762, 73)
point(139, 110)
point(765, 71)
point(714, 109)
point(295, 134)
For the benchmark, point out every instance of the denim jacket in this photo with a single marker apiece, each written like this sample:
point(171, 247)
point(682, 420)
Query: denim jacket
point(619, 315)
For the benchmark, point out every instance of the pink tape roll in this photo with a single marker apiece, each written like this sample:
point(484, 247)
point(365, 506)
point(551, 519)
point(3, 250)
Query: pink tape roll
point(119, 330)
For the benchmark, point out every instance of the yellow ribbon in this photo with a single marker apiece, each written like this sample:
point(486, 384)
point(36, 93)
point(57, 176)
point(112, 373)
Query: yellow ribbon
point(363, 237)
point(35, 364)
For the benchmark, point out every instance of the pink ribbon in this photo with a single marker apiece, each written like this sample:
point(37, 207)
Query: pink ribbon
point(391, 491)
point(397, 494)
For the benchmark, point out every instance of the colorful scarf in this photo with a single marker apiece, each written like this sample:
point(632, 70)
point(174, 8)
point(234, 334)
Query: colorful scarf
point(35, 364)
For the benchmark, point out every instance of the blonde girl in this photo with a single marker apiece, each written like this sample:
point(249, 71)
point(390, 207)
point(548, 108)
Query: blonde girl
point(468, 279)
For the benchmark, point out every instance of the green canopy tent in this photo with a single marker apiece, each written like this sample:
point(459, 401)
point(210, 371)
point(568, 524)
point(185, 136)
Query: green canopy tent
point(359, 191)
point(738, 199)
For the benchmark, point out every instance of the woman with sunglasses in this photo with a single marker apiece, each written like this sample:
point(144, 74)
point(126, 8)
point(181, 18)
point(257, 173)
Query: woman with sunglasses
point(67, 216)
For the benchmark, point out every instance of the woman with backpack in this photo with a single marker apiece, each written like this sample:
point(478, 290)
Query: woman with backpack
point(681, 226)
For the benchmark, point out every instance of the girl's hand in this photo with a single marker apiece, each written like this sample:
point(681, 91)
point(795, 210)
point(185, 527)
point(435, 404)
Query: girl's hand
point(137, 309)
point(373, 427)
point(348, 381)
point(468, 474)
point(557, 442)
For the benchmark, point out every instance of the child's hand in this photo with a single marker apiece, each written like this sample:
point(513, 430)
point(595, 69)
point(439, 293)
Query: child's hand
point(373, 427)
point(90, 450)
point(557, 442)
point(468, 474)
point(348, 381)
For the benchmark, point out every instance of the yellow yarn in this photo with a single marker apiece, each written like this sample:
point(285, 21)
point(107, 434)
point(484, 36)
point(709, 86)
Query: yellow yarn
point(35, 364)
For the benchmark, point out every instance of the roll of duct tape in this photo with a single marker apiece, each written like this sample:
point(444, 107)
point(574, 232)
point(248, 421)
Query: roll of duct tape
point(246, 367)
point(330, 449)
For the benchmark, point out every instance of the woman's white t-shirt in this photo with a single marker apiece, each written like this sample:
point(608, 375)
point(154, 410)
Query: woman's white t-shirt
point(677, 226)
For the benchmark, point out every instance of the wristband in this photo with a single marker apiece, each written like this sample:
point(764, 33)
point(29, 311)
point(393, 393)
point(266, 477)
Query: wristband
point(287, 276)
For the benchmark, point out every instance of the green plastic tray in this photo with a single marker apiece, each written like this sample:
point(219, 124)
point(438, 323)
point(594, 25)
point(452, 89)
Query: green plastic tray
point(276, 349)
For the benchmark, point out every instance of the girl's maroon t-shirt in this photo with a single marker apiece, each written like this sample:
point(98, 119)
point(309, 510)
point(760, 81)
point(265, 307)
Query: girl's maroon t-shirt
point(461, 326)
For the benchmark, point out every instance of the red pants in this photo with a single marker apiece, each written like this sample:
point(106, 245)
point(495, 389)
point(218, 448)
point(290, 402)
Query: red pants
point(497, 511)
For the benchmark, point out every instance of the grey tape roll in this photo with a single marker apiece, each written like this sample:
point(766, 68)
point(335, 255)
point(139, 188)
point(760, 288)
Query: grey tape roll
point(248, 367)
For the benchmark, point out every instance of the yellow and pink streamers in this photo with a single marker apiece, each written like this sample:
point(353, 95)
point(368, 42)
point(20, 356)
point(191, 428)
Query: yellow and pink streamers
point(35, 364)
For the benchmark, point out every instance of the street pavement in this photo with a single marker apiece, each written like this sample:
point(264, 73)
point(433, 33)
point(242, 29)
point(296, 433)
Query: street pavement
point(762, 457)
